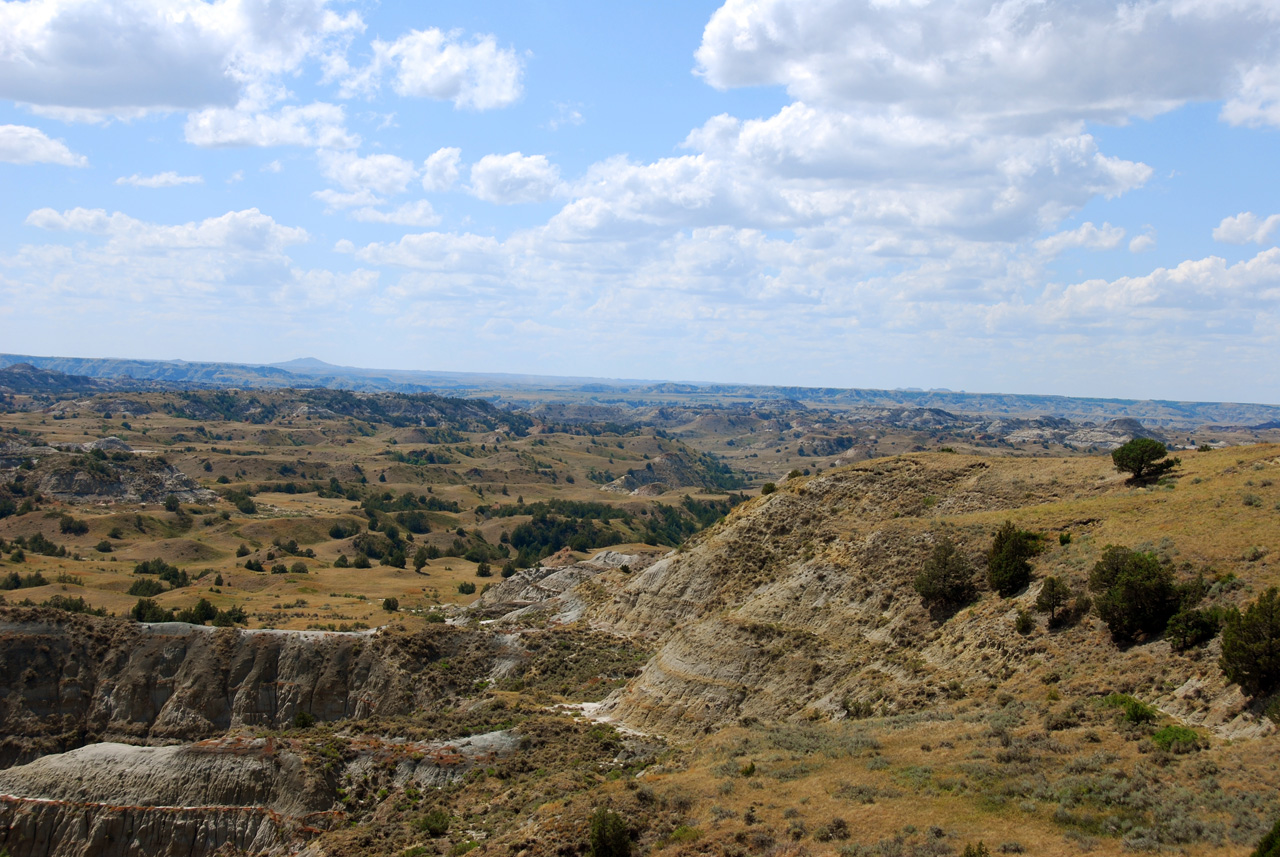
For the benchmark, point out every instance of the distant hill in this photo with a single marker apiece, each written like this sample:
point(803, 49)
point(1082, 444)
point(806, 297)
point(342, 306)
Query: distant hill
point(89, 374)
point(25, 378)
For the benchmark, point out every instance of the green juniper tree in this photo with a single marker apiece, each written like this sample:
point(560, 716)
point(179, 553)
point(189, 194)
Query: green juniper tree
point(1142, 457)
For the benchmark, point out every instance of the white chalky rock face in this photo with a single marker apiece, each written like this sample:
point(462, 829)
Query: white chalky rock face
point(234, 793)
point(116, 799)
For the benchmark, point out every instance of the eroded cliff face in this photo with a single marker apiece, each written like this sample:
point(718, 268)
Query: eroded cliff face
point(99, 688)
point(229, 795)
point(115, 799)
point(69, 680)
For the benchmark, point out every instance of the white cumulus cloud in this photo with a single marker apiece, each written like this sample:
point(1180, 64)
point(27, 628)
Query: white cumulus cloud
point(139, 55)
point(1031, 65)
point(514, 178)
point(335, 199)
point(472, 73)
point(385, 174)
point(20, 144)
point(465, 255)
point(1144, 242)
point(319, 124)
point(1245, 227)
point(440, 170)
point(1194, 287)
point(249, 230)
point(419, 213)
point(1257, 102)
point(165, 179)
point(1086, 235)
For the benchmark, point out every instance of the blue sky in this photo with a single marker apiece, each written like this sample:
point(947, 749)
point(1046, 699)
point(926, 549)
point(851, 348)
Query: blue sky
point(1076, 198)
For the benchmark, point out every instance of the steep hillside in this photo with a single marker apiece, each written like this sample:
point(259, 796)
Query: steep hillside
point(801, 604)
point(675, 470)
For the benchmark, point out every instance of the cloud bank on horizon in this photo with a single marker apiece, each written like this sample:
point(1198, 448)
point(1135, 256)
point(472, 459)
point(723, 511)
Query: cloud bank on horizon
point(1057, 197)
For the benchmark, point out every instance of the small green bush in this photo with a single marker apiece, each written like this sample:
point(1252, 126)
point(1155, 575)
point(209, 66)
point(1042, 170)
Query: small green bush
point(609, 837)
point(434, 823)
point(1176, 739)
point(1054, 595)
point(767, 488)
point(147, 610)
point(1135, 711)
point(72, 526)
point(1191, 628)
point(466, 587)
point(146, 587)
point(303, 720)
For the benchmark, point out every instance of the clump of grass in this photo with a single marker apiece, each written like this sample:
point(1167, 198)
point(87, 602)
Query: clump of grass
point(683, 833)
point(1134, 711)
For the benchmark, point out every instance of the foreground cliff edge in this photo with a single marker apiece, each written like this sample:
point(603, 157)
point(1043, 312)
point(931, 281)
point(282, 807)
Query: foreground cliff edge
point(775, 684)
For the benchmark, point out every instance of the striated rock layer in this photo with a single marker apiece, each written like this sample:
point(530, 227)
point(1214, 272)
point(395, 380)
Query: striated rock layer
point(68, 680)
point(115, 799)
point(234, 794)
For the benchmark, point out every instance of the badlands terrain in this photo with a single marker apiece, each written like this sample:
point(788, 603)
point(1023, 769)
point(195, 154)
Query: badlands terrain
point(406, 624)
